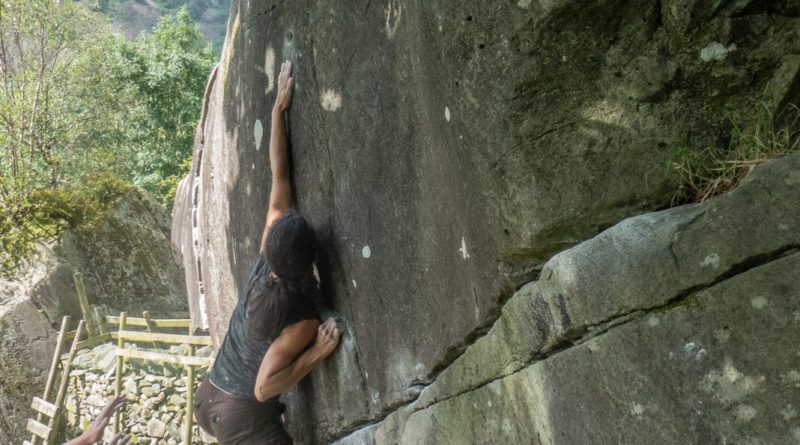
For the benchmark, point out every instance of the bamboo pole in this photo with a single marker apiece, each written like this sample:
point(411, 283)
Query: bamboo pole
point(120, 363)
point(149, 321)
point(87, 313)
point(53, 367)
point(165, 358)
point(62, 388)
point(158, 322)
point(163, 338)
point(100, 318)
point(187, 433)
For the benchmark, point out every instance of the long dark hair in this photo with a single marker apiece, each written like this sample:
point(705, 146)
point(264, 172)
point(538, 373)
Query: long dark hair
point(291, 247)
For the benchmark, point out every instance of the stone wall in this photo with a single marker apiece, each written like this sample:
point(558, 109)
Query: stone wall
point(445, 152)
point(155, 410)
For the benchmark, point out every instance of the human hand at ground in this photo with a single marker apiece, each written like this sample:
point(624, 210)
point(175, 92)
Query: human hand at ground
point(119, 439)
point(95, 431)
point(327, 337)
point(285, 84)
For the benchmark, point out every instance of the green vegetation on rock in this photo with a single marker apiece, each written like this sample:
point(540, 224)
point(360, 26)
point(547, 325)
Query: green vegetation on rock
point(50, 211)
point(709, 171)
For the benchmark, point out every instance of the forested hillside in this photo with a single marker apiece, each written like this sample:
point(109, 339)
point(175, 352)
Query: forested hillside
point(131, 17)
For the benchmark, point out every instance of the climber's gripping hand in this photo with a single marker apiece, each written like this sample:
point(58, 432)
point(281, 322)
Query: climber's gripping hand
point(285, 84)
point(327, 337)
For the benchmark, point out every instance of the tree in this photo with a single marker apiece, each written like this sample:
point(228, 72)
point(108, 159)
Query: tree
point(165, 72)
point(41, 116)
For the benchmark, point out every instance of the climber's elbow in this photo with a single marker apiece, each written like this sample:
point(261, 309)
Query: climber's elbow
point(263, 392)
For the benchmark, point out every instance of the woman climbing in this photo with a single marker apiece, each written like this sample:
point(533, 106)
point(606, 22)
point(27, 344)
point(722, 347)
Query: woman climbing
point(268, 347)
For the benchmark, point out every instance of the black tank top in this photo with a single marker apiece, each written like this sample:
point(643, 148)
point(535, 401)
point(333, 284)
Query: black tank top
point(238, 359)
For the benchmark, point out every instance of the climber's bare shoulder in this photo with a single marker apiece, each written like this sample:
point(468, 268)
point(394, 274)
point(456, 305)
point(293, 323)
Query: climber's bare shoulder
point(273, 214)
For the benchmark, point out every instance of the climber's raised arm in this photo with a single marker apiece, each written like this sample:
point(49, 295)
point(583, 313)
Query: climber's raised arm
point(280, 195)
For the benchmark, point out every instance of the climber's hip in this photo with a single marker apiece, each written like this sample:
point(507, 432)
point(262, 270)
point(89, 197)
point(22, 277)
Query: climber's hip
point(239, 421)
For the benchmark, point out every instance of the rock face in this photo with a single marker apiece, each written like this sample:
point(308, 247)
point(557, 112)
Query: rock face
point(127, 264)
point(444, 151)
point(670, 327)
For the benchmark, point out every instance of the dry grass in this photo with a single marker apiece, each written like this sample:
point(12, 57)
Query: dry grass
point(713, 170)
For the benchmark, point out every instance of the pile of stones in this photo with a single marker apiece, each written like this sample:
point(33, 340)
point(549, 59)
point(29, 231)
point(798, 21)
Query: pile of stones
point(155, 412)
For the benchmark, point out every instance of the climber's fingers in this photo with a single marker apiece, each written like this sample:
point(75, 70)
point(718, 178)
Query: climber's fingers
point(113, 405)
point(119, 440)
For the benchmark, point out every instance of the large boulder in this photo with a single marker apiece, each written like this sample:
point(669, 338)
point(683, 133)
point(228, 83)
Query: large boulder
point(127, 265)
point(444, 151)
point(670, 327)
point(27, 341)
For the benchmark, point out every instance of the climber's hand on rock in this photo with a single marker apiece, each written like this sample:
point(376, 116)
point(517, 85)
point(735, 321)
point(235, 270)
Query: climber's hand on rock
point(327, 337)
point(285, 84)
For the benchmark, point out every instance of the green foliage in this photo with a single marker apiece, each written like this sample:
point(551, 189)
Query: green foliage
point(713, 170)
point(48, 212)
point(164, 74)
point(76, 101)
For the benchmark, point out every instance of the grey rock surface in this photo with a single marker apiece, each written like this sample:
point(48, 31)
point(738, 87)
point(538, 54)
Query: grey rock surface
point(27, 341)
point(669, 327)
point(444, 151)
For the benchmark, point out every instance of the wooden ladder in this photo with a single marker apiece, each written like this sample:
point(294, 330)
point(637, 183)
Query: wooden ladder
point(40, 430)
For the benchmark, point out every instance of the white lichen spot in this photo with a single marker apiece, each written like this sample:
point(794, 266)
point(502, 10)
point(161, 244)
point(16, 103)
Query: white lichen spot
point(759, 302)
point(489, 403)
point(654, 321)
point(269, 69)
point(447, 114)
point(563, 59)
point(393, 12)
point(463, 249)
point(258, 132)
point(783, 226)
point(716, 51)
point(637, 410)
point(744, 413)
point(507, 426)
point(711, 260)
point(330, 100)
point(254, 166)
point(689, 347)
point(524, 3)
point(375, 397)
point(419, 367)
point(247, 241)
point(355, 284)
point(722, 335)
point(789, 412)
point(730, 385)
point(248, 189)
point(366, 252)
point(701, 354)
point(796, 433)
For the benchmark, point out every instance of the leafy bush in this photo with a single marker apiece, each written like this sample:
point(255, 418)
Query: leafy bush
point(48, 212)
